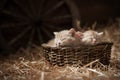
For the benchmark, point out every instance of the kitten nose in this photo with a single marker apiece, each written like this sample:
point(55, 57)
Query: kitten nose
point(59, 43)
point(94, 41)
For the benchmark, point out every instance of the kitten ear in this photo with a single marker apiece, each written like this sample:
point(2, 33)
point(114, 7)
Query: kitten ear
point(55, 33)
point(101, 33)
point(72, 31)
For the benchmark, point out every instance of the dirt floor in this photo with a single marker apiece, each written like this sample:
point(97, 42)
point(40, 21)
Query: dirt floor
point(29, 64)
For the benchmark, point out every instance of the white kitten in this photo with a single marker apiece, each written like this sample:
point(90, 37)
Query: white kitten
point(66, 38)
point(50, 43)
point(91, 37)
point(63, 38)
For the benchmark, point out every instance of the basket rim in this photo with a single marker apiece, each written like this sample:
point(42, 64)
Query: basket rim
point(103, 43)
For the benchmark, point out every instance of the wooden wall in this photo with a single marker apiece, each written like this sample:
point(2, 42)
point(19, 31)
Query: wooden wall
point(100, 10)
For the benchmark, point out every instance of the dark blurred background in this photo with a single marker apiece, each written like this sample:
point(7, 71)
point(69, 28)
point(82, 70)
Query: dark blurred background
point(100, 10)
point(11, 10)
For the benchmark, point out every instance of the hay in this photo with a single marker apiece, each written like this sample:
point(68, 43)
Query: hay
point(22, 66)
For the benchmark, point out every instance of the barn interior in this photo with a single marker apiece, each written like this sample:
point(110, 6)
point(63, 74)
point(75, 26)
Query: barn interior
point(26, 24)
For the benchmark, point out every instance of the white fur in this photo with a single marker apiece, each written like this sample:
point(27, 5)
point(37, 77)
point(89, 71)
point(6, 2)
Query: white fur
point(64, 38)
point(91, 37)
point(72, 38)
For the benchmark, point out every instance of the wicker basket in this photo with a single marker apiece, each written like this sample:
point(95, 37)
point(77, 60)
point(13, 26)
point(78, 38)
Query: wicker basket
point(75, 55)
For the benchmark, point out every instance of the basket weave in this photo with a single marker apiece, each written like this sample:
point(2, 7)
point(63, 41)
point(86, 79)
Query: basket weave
point(74, 55)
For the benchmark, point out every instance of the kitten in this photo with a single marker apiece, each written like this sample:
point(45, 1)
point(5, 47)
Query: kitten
point(65, 38)
point(91, 37)
point(50, 43)
point(72, 38)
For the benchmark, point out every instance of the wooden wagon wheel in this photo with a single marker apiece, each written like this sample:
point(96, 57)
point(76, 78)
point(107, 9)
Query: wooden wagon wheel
point(27, 22)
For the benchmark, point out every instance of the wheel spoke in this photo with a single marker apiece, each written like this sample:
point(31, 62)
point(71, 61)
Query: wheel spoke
point(10, 25)
point(75, 14)
point(57, 21)
point(52, 27)
point(32, 7)
point(59, 17)
point(41, 6)
point(14, 14)
point(54, 8)
point(31, 37)
point(47, 32)
point(39, 36)
point(23, 8)
point(20, 35)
